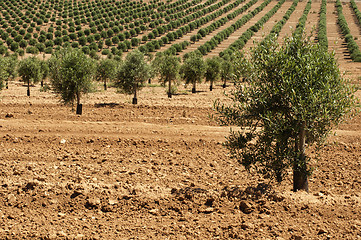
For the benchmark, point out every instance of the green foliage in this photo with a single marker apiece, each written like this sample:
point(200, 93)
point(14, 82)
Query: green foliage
point(44, 66)
point(227, 71)
point(133, 72)
point(106, 70)
point(45, 88)
point(71, 74)
point(193, 69)
point(302, 21)
point(290, 89)
point(3, 50)
point(3, 73)
point(30, 70)
point(213, 69)
point(236, 68)
point(356, 11)
point(242, 40)
point(11, 64)
point(276, 29)
point(167, 67)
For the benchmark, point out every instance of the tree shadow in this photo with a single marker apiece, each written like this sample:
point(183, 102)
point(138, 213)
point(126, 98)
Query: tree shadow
point(250, 193)
point(180, 93)
point(111, 105)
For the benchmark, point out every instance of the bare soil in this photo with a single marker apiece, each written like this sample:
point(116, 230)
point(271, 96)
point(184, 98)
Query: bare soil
point(159, 170)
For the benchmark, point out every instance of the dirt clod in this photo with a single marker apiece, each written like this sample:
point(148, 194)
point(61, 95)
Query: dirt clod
point(92, 202)
point(245, 207)
point(30, 186)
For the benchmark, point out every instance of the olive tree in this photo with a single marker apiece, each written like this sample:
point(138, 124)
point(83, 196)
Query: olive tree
point(240, 66)
point(133, 73)
point(44, 66)
point(106, 70)
point(11, 64)
point(293, 95)
point(213, 67)
point(167, 66)
point(71, 75)
point(193, 69)
point(30, 71)
point(226, 71)
point(3, 73)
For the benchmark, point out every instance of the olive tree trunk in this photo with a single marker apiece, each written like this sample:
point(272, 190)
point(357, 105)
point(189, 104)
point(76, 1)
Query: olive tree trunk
point(28, 91)
point(300, 177)
point(105, 84)
point(170, 88)
point(211, 86)
point(135, 99)
point(79, 107)
point(194, 86)
point(224, 83)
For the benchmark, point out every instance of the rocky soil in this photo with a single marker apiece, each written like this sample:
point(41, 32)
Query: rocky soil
point(157, 171)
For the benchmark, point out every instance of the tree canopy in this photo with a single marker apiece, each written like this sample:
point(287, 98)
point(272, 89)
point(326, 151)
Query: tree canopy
point(11, 65)
point(293, 94)
point(3, 73)
point(30, 71)
point(213, 69)
point(193, 69)
point(71, 73)
point(167, 66)
point(133, 73)
point(106, 70)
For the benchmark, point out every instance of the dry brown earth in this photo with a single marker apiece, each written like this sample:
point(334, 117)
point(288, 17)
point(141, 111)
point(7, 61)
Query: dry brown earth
point(159, 171)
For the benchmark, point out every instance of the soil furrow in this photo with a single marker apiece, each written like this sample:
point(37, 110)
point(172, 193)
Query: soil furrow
point(234, 36)
point(267, 27)
point(194, 46)
point(291, 24)
point(187, 36)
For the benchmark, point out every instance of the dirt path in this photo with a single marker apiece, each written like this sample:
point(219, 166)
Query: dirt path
point(352, 22)
point(337, 43)
point(313, 18)
point(290, 25)
point(267, 27)
point(187, 36)
point(228, 24)
point(234, 36)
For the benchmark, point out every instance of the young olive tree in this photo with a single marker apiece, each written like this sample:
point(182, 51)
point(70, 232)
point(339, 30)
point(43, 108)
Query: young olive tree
point(3, 73)
point(71, 75)
point(226, 71)
point(193, 69)
point(240, 65)
point(133, 73)
point(44, 66)
point(294, 94)
point(106, 70)
point(167, 66)
point(30, 71)
point(11, 64)
point(213, 67)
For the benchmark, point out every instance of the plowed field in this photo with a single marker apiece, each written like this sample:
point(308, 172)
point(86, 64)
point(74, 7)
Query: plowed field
point(158, 170)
